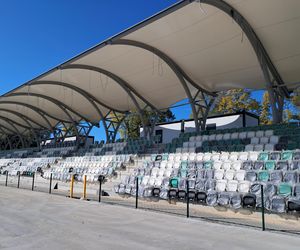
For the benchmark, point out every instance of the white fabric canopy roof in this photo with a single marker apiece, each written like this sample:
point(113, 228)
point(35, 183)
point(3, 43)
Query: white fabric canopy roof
point(199, 37)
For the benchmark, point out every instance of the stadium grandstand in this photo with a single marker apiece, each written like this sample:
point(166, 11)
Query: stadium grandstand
point(191, 51)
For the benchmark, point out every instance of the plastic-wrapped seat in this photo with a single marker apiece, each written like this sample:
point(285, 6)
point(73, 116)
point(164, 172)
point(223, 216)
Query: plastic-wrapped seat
point(224, 156)
point(219, 137)
point(221, 185)
point(201, 197)
point(287, 155)
point(250, 134)
point(249, 147)
point(263, 176)
point(215, 157)
point(243, 156)
point(282, 165)
point(284, 189)
point(247, 165)
point(210, 184)
point(259, 147)
point(217, 165)
point(240, 175)
point(269, 133)
point(293, 204)
point(263, 156)
point(219, 174)
point(295, 165)
point(258, 165)
point(270, 165)
point(275, 156)
point(226, 165)
point(209, 174)
point(234, 156)
point(236, 201)
point(224, 199)
point(242, 135)
point(253, 156)
point(232, 186)
point(250, 176)
point(290, 177)
point(208, 164)
point(274, 139)
point(264, 140)
point(278, 204)
point(243, 186)
point(211, 198)
point(276, 176)
point(236, 165)
point(200, 184)
point(182, 189)
point(249, 201)
point(254, 140)
point(296, 155)
point(229, 174)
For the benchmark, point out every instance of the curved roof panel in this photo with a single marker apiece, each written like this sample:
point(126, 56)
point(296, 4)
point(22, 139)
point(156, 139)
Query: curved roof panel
point(212, 44)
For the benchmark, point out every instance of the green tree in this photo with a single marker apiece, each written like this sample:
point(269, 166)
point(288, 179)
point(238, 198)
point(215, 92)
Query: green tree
point(132, 123)
point(236, 100)
point(265, 113)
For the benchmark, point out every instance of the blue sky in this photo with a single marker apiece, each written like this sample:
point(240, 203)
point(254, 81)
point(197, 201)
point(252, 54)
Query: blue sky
point(38, 35)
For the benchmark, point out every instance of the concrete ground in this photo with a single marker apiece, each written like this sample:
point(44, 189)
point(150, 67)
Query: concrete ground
point(33, 220)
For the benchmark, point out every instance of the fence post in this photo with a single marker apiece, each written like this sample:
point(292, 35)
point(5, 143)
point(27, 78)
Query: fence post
point(100, 189)
point(72, 186)
point(262, 208)
point(32, 187)
point(19, 175)
point(137, 192)
point(84, 187)
point(187, 200)
point(6, 178)
point(50, 186)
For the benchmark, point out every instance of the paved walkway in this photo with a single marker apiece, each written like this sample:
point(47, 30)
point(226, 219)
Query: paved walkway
point(33, 220)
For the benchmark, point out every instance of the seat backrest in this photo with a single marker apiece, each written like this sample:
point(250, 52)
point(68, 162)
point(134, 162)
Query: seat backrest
point(243, 156)
point(226, 165)
point(253, 156)
point(219, 174)
point(240, 175)
point(282, 165)
point(243, 186)
point(284, 189)
point(276, 176)
point(229, 174)
point(221, 185)
point(286, 155)
point(290, 177)
point(258, 165)
point(263, 156)
point(250, 175)
point(270, 165)
point(254, 140)
point(260, 133)
point(236, 165)
point(263, 176)
point(232, 186)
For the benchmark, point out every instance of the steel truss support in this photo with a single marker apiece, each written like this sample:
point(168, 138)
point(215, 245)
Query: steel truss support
point(28, 127)
point(112, 122)
point(5, 144)
point(187, 83)
point(132, 93)
point(84, 130)
point(272, 77)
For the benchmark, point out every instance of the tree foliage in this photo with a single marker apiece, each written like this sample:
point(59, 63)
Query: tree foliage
point(132, 123)
point(265, 114)
point(236, 100)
